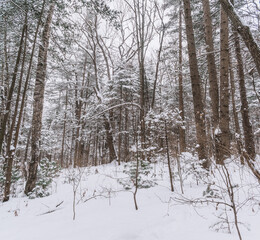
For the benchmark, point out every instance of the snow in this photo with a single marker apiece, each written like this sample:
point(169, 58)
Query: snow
point(237, 136)
point(217, 131)
point(113, 216)
point(12, 148)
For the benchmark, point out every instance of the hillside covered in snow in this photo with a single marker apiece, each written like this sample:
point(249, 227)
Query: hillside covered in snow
point(97, 203)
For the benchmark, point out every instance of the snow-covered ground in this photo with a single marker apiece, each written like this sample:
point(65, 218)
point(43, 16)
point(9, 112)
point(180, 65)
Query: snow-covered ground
point(112, 215)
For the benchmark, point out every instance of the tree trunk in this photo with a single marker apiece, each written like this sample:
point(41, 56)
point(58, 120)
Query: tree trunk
point(139, 11)
point(24, 161)
point(24, 96)
point(244, 32)
point(11, 90)
point(196, 88)
point(110, 139)
point(126, 136)
point(161, 39)
point(212, 72)
point(64, 132)
point(235, 115)
point(12, 153)
point(224, 134)
point(78, 110)
point(6, 75)
point(38, 104)
point(213, 81)
point(120, 127)
point(247, 126)
point(10, 150)
point(168, 156)
point(181, 104)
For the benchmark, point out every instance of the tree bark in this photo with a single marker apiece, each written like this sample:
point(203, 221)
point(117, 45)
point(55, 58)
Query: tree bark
point(212, 72)
point(11, 90)
point(247, 126)
point(5, 73)
point(235, 115)
point(224, 134)
point(168, 156)
point(10, 150)
point(196, 88)
point(64, 131)
point(38, 104)
point(110, 139)
point(139, 12)
point(161, 39)
point(126, 135)
point(244, 32)
point(24, 96)
point(181, 103)
point(120, 127)
point(78, 111)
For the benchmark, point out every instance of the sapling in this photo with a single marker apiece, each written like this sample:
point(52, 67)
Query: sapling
point(220, 191)
point(74, 177)
point(138, 173)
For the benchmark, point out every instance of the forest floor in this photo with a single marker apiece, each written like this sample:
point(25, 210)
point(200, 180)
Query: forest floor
point(111, 215)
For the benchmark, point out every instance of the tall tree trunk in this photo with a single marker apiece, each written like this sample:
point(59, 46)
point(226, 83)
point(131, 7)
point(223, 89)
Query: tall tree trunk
point(168, 156)
point(78, 110)
point(235, 115)
point(213, 81)
point(64, 132)
point(247, 126)
point(161, 39)
point(196, 88)
point(5, 73)
point(10, 150)
point(21, 112)
point(224, 133)
point(24, 161)
point(120, 127)
point(139, 11)
point(95, 147)
point(109, 138)
point(244, 32)
point(181, 104)
point(24, 96)
point(126, 135)
point(212, 72)
point(38, 104)
point(11, 90)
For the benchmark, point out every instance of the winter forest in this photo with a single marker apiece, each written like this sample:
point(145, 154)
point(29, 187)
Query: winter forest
point(130, 119)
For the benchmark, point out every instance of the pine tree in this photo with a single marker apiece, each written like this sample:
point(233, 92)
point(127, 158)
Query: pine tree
point(196, 87)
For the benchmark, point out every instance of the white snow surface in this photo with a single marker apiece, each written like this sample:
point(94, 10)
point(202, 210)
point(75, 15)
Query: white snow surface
point(115, 217)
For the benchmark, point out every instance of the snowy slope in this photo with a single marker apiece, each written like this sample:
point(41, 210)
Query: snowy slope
point(112, 216)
